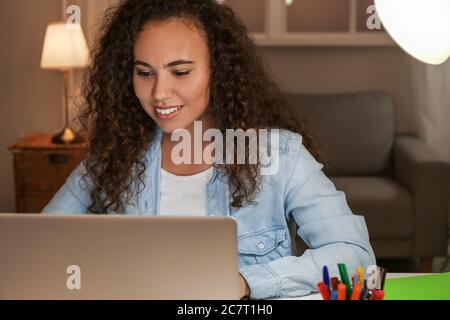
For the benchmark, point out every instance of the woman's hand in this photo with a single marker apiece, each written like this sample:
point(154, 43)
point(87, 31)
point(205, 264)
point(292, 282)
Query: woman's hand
point(245, 289)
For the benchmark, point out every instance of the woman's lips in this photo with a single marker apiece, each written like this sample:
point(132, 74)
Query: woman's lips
point(167, 112)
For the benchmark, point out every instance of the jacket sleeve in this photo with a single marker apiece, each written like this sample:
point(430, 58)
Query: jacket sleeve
point(73, 197)
point(325, 223)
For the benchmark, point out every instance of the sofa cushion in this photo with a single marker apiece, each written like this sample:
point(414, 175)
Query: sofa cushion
point(386, 205)
point(357, 129)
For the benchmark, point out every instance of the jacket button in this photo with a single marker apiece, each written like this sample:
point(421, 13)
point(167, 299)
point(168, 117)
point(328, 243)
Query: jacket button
point(261, 246)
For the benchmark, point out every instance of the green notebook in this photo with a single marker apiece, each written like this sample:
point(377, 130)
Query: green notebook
point(430, 287)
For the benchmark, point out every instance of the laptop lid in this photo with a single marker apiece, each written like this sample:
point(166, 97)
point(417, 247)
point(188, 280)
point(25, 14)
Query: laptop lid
point(117, 257)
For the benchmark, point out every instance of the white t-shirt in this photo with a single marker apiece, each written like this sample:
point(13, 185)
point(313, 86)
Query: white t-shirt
point(184, 195)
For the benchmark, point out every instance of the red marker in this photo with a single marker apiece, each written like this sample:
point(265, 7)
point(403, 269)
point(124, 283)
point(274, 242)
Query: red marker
point(377, 294)
point(324, 291)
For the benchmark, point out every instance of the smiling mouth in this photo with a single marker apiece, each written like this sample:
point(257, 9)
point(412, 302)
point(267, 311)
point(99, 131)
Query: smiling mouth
point(167, 113)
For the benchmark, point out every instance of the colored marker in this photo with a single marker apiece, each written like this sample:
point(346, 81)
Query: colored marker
point(377, 294)
point(326, 277)
point(356, 294)
point(344, 278)
point(342, 291)
point(364, 290)
point(334, 295)
point(334, 283)
point(360, 271)
point(369, 295)
point(383, 272)
point(355, 279)
point(324, 291)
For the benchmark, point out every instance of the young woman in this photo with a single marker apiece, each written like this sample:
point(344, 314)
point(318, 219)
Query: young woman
point(162, 65)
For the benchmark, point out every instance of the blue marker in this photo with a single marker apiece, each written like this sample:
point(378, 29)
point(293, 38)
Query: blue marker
point(364, 290)
point(326, 278)
point(334, 295)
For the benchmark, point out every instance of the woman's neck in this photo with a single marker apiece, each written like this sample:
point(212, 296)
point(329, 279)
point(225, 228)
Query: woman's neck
point(184, 169)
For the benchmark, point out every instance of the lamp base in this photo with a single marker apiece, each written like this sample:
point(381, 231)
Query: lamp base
point(67, 136)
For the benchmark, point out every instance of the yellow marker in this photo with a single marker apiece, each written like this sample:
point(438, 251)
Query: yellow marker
point(360, 272)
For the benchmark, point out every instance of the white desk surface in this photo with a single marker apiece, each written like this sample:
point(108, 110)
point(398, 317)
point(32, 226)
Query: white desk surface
point(317, 296)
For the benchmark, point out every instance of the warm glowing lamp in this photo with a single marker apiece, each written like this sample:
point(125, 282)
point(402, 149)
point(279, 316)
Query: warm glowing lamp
point(65, 49)
point(420, 27)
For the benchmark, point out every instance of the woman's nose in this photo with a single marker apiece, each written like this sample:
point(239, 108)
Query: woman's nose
point(161, 89)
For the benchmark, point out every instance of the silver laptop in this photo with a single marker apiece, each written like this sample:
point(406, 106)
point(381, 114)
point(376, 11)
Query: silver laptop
point(117, 257)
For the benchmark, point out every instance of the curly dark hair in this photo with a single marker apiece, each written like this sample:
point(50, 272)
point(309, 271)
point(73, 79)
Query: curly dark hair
point(242, 96)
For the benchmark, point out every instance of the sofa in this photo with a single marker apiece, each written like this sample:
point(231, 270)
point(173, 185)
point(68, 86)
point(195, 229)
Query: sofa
point(394, 180)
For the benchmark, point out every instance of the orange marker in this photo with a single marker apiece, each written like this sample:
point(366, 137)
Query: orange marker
point(324, 291)
point(342, 291)
point(356, 294)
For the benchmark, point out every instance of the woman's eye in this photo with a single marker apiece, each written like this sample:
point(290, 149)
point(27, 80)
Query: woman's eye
point(144, 74)
point(181, 73)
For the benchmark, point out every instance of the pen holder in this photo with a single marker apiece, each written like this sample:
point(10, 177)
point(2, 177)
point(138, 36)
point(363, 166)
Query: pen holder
point(358, 289)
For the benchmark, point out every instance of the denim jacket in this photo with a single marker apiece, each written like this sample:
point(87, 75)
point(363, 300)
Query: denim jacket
point(298, 195)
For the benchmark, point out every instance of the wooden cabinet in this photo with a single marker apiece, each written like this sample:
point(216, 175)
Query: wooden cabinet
point(41, 168)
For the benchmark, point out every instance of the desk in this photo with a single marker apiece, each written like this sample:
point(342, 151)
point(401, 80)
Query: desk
point(317, 296)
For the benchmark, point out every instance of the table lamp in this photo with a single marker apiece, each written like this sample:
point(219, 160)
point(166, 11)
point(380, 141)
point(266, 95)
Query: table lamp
point(65, 49)
point(420, 27)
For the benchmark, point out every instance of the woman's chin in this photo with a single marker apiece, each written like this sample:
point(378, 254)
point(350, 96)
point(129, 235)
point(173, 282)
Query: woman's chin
point(168, 128)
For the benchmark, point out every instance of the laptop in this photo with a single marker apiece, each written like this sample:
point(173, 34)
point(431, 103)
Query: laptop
point(73, 257)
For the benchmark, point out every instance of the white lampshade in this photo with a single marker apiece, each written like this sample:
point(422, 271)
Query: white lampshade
point(420, 27)
point(65, 47)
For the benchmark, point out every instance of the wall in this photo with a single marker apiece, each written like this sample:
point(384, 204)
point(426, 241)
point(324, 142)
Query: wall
point(31, 98)
point(330, 70)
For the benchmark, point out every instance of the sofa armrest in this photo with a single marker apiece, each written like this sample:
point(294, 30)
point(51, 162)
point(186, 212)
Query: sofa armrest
point(427, 177)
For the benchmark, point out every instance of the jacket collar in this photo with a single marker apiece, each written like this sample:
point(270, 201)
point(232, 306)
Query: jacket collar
point(155, 150)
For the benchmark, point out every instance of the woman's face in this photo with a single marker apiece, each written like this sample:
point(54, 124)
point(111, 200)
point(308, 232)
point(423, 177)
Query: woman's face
point(171, 73)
